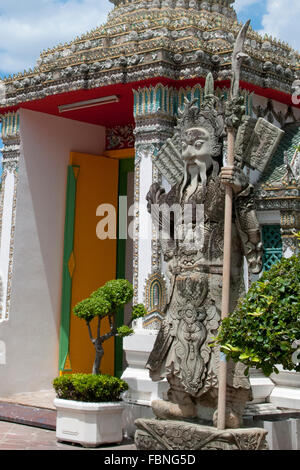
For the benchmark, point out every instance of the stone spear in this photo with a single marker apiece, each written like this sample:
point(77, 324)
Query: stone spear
point(237, 59)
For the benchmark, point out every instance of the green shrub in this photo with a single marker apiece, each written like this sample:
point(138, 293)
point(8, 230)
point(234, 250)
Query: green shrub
point(89, 388)
point(116, 293)
point(139, 311)
point(262, 331)
point(106, 302)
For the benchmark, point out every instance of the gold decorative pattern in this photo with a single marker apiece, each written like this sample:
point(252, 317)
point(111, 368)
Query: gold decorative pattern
point(72, 264)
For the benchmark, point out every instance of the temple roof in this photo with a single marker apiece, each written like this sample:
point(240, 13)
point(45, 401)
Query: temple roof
point(146, 39)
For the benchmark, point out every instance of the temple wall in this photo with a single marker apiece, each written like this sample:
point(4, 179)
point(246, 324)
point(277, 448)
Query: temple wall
point(31, 336)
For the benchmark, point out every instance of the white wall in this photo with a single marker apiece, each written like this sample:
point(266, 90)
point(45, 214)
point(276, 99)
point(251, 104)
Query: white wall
point(32, 333)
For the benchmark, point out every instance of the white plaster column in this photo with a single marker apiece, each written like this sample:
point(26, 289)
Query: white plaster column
point(143, 225)
point(11, 153)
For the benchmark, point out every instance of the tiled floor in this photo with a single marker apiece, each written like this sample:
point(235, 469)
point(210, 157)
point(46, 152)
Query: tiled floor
point(19, 437)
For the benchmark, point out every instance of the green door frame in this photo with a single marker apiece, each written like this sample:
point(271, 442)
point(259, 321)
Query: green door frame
point(125, 166)
point(72, 176)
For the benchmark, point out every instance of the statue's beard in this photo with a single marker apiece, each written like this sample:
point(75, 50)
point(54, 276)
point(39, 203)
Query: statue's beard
point(195, 173)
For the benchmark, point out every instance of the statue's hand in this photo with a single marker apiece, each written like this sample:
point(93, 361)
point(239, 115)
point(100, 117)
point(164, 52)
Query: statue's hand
point(235, 178)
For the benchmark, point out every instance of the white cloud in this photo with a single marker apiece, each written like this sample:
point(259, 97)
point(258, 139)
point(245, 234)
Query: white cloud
point(28, 27)
point(282, 21)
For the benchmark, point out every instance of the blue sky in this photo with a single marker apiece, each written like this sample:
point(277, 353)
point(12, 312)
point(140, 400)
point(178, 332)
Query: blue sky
point(29, 26)
point(255, 12)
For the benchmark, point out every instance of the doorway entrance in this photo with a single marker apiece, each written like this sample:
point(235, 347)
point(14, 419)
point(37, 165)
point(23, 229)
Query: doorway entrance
point(89, 262)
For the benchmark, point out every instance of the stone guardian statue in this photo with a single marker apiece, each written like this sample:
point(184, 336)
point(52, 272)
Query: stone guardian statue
point(182, 352)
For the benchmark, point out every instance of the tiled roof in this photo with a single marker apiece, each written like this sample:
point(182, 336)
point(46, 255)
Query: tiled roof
point(142, 39)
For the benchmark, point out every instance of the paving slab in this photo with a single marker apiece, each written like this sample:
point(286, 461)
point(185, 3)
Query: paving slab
point(28, 415)
point(39, 399)
point(20, 437)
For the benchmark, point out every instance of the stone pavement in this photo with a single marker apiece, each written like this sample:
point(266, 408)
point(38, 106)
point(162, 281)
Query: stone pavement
point(19, 437)
point(18, 415)
point(40, 399)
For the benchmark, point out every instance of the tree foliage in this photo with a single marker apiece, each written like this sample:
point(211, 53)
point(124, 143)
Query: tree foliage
point(105, 303)
point(263, 330)
point(89, 388)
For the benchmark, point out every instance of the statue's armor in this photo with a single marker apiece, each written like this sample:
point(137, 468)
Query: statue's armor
point(182, 352)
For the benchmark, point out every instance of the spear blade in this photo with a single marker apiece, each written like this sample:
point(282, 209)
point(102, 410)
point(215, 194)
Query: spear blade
point(237, 59)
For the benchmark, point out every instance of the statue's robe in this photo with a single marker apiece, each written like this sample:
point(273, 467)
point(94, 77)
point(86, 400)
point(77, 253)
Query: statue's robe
point(182, 352)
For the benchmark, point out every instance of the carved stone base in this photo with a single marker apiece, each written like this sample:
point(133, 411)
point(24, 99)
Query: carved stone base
point(155, 434)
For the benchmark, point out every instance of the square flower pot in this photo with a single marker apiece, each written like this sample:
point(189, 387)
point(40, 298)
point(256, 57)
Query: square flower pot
point(89, 424)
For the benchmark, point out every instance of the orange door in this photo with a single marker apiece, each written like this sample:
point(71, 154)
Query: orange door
point(94, 260)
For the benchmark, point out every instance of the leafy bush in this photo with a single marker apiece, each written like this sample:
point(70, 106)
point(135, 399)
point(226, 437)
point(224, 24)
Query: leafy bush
point(89, 388)
point(262, 331)
point(105, 302)
point(114, 294)
point(138, 311)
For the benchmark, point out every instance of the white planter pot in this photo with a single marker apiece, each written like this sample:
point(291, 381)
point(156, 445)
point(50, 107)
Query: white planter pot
point(89, 424)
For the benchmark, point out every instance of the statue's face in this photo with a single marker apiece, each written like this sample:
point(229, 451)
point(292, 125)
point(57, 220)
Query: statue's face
point(196, 145)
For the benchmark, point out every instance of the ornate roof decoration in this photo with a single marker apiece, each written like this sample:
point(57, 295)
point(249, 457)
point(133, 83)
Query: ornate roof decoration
point(142, 39)
point(285, 155)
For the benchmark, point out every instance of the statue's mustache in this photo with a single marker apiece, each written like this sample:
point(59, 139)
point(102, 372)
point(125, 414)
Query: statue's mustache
point(202, 167)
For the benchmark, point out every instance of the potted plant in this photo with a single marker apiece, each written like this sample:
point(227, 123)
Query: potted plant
point(264, 330)
point(89, 406)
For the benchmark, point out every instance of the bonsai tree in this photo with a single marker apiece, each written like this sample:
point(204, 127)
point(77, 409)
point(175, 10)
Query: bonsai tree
point(264, 329)
point(105, 303)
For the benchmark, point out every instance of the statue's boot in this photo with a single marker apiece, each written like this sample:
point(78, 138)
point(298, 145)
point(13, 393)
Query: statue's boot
point(180, 405)
point(168, 410)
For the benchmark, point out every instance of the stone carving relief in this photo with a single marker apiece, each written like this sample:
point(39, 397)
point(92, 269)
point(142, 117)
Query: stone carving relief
point(176, 435)
point(193, 253)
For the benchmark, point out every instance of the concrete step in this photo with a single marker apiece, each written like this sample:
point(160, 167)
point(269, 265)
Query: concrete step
point(28, 415)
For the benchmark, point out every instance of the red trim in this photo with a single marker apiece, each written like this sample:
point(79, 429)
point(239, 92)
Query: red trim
point(122, 113)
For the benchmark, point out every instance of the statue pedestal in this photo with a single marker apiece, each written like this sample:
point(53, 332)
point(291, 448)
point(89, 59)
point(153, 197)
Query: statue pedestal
point(142, 391)
point(261, 385)
point(155, 434)
point(286, 393)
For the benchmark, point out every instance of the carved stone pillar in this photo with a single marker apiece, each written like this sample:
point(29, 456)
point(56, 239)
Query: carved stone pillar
point(290, 225)
point(11, 153)
point(154, 119)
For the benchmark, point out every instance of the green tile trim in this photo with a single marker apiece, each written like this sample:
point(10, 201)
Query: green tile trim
point(272, 243)
point(67, 279)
